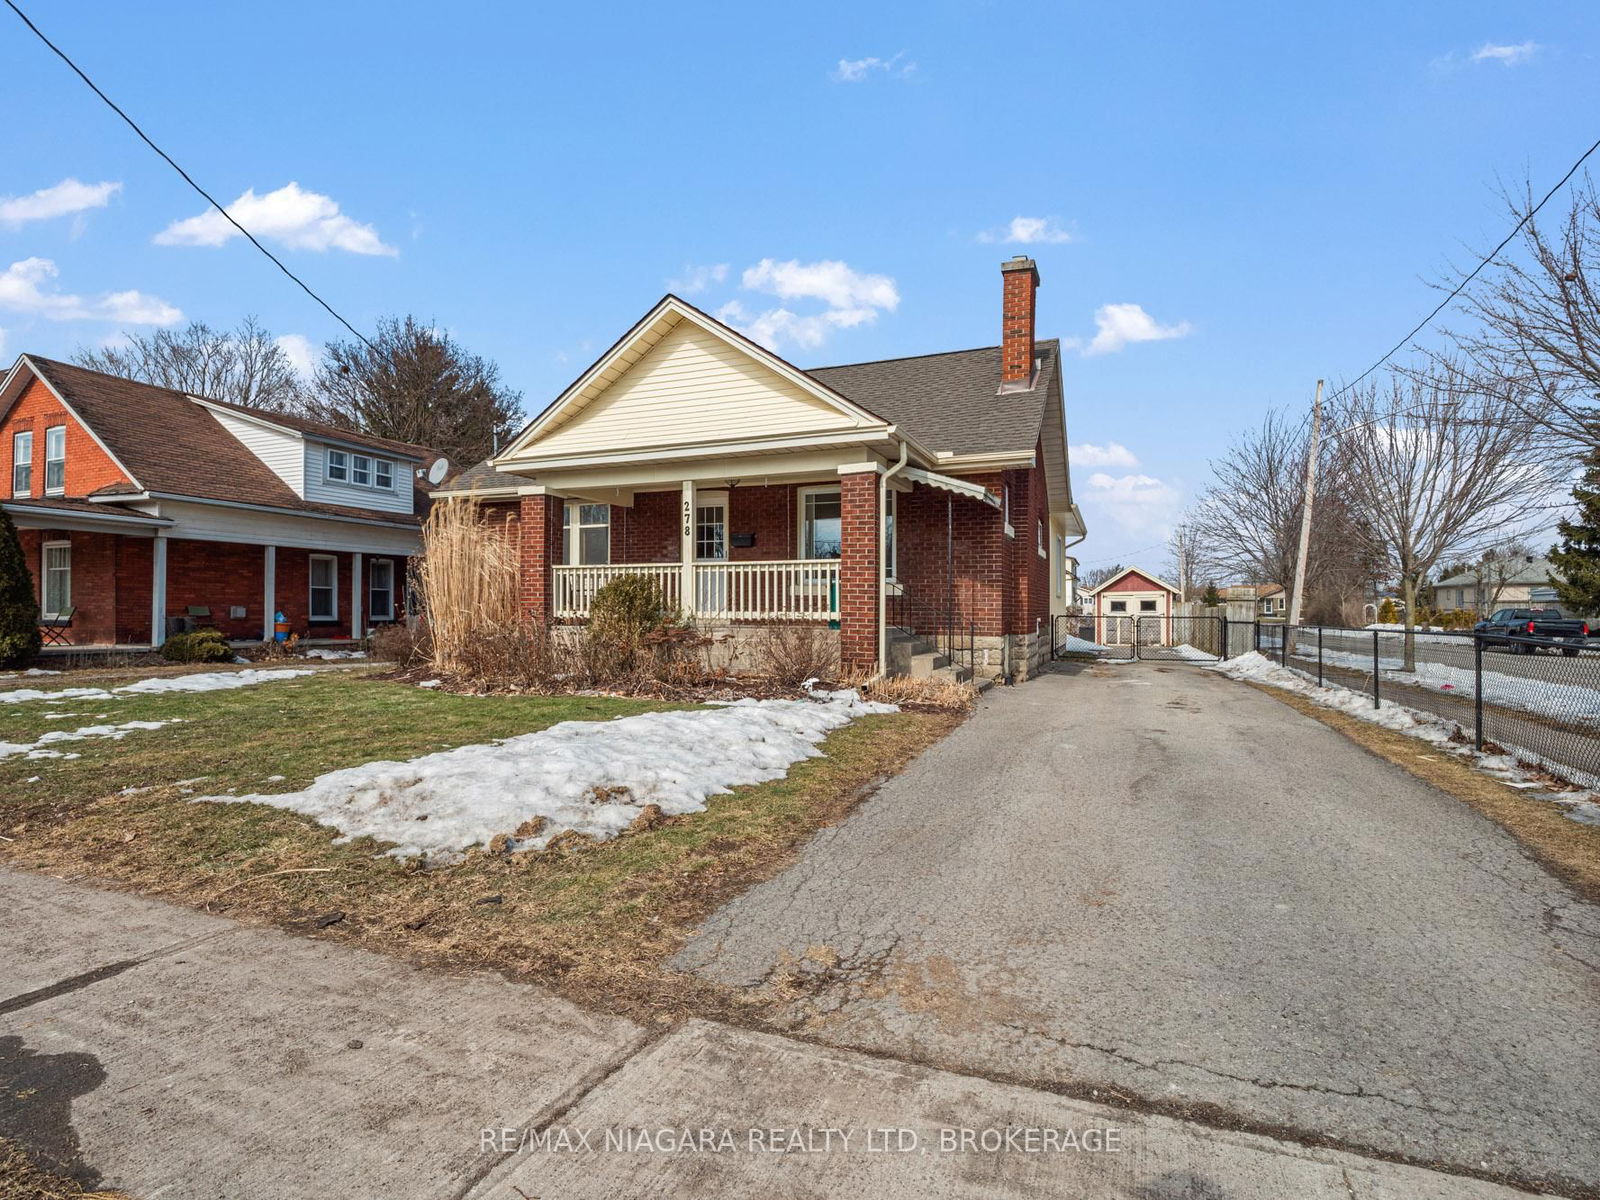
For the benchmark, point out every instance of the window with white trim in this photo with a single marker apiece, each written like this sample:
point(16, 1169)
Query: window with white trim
point(22, 463)
point(821, 522)
point(338, 467)
point(383, 474)
point(588, 533)
point(380, 590)
point(1119, 606)
point(55, 584)
point(1044, 549)
point(324, 587)
point(358, 470)
point(55, 460)
point(1147, 606)
point(1005, 509)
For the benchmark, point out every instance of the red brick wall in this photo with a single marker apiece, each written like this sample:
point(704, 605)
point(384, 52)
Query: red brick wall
point(1016, 322)
point(859, 572)
point(922, 560)
point(88, 466)
point(539, 548)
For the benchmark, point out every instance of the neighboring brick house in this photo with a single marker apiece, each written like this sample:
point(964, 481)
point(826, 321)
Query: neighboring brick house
point(890, 500)
point(142, 510)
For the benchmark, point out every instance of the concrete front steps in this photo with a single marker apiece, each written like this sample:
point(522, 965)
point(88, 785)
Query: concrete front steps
point(916, 657)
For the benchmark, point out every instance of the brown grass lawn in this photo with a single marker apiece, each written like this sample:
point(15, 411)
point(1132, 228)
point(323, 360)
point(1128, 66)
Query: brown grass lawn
point(595, 920)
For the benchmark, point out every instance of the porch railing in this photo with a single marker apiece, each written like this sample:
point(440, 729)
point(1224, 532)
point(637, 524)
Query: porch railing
point(805, 589)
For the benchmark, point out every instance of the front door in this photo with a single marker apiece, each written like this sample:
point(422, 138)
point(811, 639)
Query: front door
point(711, 546)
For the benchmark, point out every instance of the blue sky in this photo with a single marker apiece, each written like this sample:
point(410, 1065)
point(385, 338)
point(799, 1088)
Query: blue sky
point(1225, 201)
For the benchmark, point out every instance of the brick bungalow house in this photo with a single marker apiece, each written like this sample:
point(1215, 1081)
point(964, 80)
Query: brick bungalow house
point(907, 503)
point(142, 510)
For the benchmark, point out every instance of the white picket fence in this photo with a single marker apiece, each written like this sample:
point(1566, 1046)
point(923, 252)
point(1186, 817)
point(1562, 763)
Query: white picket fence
point(777, 590)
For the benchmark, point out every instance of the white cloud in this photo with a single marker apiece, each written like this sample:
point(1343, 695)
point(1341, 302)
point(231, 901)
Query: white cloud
point(695, 279)
point(1112, 454)
point(1028, 231)
point(24, 288)
point(292, 216)
point(1133, 504)
point(65, 198)
point(849, 298)
point(1118, 325)
point(297, 348)
point(1509, 56)
point(855, 70)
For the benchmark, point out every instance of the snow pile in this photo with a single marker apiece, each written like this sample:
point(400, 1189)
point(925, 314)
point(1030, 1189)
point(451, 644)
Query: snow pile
point(205, 681)
point(1442, 733)
point(1190, 653)
point(40, 748)
point(593, 777)
point(1078, 645)
point(330, 655)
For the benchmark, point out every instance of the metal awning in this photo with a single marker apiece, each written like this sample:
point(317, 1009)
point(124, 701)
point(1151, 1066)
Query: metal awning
point(973, 491)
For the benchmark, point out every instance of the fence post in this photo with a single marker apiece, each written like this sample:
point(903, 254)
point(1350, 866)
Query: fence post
point(1477, 691)
point(1376, 703)
point(1319, 656)
point(1224, 621)
point(1256, 636)
point(1283, 645)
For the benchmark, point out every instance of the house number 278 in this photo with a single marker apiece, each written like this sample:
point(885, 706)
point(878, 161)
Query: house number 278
point(688, 519)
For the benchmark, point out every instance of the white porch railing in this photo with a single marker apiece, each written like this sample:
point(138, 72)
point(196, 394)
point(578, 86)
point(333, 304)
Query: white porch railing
point(781, 590)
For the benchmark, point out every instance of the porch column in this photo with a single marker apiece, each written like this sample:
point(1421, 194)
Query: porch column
point(269, 592)
point(860, 574)
point(688, 596)
point(355, 596)
point(158, 588)
point(539, 548)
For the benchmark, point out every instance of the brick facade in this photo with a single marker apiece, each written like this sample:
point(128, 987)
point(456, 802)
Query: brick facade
point(539, 547)
point(88, 467)
point(860, 577)
point(1020, 281)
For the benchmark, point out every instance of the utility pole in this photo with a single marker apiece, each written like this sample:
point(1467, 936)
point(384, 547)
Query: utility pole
point(1298, 596)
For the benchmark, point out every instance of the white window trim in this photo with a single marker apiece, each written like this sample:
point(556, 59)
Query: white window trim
point(1044, 541)
point(1110, 607)
point(372, 568)
point(20, 461)
point(61, 490)
point(350, 458)
point(891, 541)
point(333, 588)
point(44, 577)
point(571, 531)
point(1005, 509)
point(800, 494)
point(327, 465)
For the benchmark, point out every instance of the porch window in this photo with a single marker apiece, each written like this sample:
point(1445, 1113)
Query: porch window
point(55, 599)
point(324, 587)
point(587, 530)
point(821, 525)
point(380, 589)
point(889, 548)
point(22, 463)
point(55, 460)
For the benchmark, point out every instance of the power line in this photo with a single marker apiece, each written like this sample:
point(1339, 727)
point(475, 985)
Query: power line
point(1457, 290)
point(144, 137)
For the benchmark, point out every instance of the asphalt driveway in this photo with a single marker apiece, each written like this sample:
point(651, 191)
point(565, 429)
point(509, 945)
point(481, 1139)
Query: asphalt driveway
point(1161, 884)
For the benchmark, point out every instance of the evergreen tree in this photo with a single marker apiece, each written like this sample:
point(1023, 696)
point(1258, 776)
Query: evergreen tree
point(1388, 614)
point(1575, 560)
point(19, 611)
point(1212, 597)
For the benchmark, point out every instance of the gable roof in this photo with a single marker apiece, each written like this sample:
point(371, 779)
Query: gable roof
point(951, 402)
point(323, 431)
point(169, 444)
point(1126, 571)
point(1530, 574)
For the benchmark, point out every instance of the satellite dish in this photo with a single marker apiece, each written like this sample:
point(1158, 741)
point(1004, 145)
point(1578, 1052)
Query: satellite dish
point(437, 472)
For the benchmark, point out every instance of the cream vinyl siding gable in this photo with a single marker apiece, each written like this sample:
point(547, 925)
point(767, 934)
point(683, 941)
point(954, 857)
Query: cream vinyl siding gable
point(691, 387)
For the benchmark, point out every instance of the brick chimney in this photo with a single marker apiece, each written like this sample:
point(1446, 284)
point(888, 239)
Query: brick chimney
point(1021, 276)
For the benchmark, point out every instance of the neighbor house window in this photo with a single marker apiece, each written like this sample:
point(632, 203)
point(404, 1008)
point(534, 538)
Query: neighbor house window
point(324, 587)
point(1119, 606)
point(22, 464)
point(380, 590)
point(338, 465)
point(1044, 551)
point(821, 527)
point(1005, 508)
point(383, 474)
point(361, 470)
point(588, 533)
point(1147, 606)
point(55, 459)
point(55, 591)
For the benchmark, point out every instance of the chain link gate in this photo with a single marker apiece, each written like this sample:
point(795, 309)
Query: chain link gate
point(1152, 637)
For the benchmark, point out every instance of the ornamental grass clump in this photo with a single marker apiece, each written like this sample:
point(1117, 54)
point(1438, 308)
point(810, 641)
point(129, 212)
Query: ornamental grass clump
point(466, 579)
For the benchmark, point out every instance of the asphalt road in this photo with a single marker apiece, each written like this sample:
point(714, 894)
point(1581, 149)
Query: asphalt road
point(1154, 881)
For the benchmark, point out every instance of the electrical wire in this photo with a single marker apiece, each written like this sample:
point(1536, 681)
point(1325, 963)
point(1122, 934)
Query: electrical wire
point(187, 178)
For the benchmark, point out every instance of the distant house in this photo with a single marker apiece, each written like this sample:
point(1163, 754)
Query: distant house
point(1272, 602)
point(886, 500)
point(1498, 586)
point(143, 510)
point(1133, 607)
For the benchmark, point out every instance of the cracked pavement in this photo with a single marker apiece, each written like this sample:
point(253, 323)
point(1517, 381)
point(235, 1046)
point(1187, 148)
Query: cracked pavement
point(1148, 879)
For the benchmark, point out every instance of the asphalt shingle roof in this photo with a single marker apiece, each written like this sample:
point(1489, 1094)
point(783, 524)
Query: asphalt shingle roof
point(951, 401)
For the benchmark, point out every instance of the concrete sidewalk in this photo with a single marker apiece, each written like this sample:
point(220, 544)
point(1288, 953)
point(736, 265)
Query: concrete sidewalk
point(172, 1054)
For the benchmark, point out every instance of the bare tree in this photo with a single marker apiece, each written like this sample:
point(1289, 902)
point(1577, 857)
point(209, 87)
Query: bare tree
point(240, 366)
point(1443, 464)
point(1095, 576)
point(1539, 314)
point(416, 384)
point(1182, 565)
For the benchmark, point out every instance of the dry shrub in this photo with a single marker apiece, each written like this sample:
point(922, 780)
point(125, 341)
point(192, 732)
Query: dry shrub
point(467, 578)
point(623, 613)
point(935, 693)
point(523, 656)
point(401, 644)
point(791, 653)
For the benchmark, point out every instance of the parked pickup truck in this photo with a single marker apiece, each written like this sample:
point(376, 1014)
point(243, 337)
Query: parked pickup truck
point(1540, 625)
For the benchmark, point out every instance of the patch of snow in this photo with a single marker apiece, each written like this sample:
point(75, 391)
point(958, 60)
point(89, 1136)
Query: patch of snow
point(114, 732)
point(205, 681)
point(40, 671)
point(593, 777)
point(19, 695)
point(430, 683)
point(1077, 645)
point(1189, 653)
point(334, 654)
point(1438, 731)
